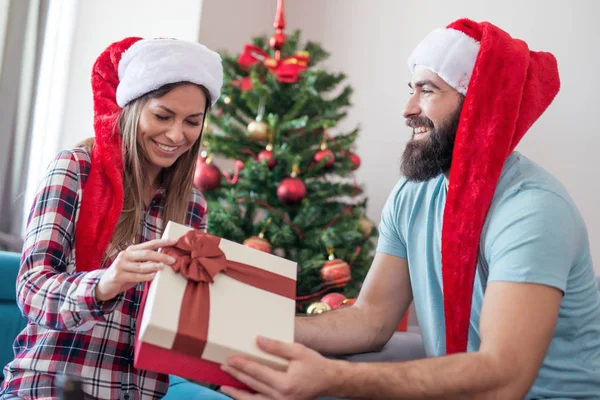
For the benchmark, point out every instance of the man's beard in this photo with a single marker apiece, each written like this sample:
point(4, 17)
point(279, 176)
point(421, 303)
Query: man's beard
point(429, 157)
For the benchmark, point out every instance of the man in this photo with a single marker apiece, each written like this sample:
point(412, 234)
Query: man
point(489, 246)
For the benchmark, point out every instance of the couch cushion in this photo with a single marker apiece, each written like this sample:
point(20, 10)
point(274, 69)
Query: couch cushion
point(180, 388)
point(11, 320)
point(11, 324)
point(9, 268)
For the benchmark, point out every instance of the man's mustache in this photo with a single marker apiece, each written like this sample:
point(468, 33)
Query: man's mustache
point(419, 121)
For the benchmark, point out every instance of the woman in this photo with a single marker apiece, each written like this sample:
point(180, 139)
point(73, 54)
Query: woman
point(94, 228)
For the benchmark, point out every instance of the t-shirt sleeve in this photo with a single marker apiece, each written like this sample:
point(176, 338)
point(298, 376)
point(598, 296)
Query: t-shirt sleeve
point(390, 238)
point(533, 237)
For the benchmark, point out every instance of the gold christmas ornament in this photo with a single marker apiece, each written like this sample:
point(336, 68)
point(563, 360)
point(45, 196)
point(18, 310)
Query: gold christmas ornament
point(365, 226)
point(318, 307)
point(258, 130)
point(227, 100)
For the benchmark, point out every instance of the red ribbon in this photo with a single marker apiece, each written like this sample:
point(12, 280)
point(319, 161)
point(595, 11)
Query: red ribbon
point(286, 70)
point(199, 259)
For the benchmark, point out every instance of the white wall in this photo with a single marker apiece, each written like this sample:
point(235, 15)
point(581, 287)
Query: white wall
point(370, 41)
point(3, 20)
point(100, 23)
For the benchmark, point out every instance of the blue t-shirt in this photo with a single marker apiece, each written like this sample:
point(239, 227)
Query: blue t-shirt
point(533, 233)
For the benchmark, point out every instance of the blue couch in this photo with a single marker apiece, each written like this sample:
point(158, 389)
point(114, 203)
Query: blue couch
point(12, 322)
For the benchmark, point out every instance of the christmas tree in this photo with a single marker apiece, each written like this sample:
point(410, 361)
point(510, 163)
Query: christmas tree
point(292, 192)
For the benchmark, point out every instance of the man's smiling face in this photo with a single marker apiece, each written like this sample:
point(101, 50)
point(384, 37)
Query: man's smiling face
point(433, 111)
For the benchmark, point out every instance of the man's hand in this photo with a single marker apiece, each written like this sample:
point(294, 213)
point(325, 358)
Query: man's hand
point(308, 375)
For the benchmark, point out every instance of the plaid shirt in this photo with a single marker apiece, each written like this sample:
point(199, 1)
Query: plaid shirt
point(68, 332)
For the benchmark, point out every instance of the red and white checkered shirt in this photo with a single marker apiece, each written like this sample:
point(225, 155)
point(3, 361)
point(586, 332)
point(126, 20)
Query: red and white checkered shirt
point(67, 331)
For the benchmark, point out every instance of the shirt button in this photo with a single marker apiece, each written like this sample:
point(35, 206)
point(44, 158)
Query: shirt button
point(126, 397)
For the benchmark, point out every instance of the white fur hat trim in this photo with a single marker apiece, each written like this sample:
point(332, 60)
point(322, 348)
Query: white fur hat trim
point(449, 53)
point(151, 63)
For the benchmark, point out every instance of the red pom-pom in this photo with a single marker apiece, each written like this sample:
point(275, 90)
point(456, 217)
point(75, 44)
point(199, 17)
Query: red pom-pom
point(269, 156)
point(336, 273)
point(207, 175)
point(334, 299)
point(327, 155)
point(291, 191)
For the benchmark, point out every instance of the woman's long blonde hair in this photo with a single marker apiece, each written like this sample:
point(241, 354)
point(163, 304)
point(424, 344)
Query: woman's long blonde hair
point(177, 179)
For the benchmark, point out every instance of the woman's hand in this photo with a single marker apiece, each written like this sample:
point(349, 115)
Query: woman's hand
point(138, 263)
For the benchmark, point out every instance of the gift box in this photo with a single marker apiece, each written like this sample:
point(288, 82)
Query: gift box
point(213, 303)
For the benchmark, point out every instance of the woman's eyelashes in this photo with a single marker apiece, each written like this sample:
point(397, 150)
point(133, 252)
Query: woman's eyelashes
point(167, 117)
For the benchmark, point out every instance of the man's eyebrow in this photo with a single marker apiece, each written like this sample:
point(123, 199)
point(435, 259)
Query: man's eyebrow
point(424, 82)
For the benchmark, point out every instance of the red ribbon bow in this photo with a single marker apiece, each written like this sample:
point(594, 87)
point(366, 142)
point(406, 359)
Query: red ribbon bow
point(199, 257)
point(286, 70)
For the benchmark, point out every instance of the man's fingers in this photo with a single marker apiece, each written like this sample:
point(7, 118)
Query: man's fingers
point(260, 387)
point(257, 372)
point(238, 394)
point(277, 348)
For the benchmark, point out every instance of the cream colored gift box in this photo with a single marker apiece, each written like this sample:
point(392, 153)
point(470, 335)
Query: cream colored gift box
point(238, 312)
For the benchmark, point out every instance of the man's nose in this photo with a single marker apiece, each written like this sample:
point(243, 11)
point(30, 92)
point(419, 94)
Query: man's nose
point(411, 108)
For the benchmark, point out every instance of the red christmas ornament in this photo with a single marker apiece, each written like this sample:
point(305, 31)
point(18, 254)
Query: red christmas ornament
point(277, 40)
point(269, 156)
point(347, 303)
point(336, 273)
point(207, 175)
point(291, 190)
point(334, 299)
point(259, 243)
point(325, 154)
point(355, 160)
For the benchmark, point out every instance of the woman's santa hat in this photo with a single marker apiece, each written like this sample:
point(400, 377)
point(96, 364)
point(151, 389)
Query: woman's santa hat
point(123, 72)
point(507, 87)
